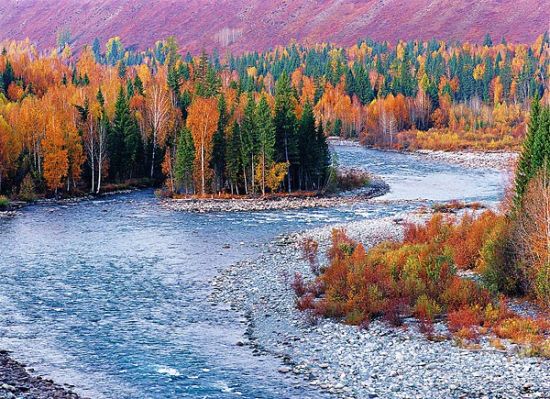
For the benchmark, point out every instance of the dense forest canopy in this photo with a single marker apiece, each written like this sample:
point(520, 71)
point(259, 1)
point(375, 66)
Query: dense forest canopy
point(254, 123)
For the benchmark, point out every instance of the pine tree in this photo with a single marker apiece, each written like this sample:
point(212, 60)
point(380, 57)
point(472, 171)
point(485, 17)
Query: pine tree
point(120, 129)
point(133, 146)
point(138, 85)
point(266, 139)
point(185, 158)
point(248, 143)
point(541, 144)
point(307, 153)
point(96, 49)
point(233, 158)
point(218, 144)
point(323, 157)
point(525, 165)
point(285, 126)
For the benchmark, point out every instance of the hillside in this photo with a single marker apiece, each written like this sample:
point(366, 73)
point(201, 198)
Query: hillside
point(259, 24)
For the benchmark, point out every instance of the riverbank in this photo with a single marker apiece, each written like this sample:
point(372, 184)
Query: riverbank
point(375, 188)
point(498, 160)
point(380, 361)
point(17, 382)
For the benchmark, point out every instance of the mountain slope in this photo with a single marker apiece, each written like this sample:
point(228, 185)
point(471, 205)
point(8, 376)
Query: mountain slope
point(260, 24)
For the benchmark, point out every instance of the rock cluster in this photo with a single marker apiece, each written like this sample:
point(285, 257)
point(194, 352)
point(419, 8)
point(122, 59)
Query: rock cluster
point(17, 383)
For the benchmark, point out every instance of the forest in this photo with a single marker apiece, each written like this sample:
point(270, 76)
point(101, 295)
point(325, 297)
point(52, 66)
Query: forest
point(248, 124)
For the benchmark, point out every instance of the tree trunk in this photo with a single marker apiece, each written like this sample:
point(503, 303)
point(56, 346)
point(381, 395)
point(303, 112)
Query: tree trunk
point(153, 153)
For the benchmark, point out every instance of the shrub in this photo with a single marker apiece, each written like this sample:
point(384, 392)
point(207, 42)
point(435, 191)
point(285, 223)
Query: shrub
point(298, 285)
point(523, 330)
point(4, 202)
point(310, 248)
point(27, 189)
point(465, 321)
point(500, 273)
point(418, 276)
point(348, 179)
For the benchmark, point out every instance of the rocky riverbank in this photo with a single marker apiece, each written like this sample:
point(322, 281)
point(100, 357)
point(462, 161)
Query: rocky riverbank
point(472, 159)
point(375, 189)
point(16, 382)
point(498, 160)
point(379, 362)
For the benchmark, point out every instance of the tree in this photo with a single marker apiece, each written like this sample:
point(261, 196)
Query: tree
point(185, 158)
point(89, 137)
point(323, 157)
point(96, 49)
point(102, 140)
point(525, 165)
point(219, 144)
point(266, 141)
point(117, 134)
point(307, 152)
point(233, 157)
point(285, 125)
point(56, 161)
point(158, 113)
point(203, 121)
point(249, 143)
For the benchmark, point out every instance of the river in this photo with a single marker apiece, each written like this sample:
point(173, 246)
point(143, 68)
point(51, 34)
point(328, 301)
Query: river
point(110, 295)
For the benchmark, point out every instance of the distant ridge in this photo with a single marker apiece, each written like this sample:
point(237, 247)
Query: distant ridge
point(243, 25)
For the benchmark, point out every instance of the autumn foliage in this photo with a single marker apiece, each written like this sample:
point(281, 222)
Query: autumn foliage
point(73, 121)
point(420, 277)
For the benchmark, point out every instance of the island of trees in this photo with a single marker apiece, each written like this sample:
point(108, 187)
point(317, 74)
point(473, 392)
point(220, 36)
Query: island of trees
point(250, 124)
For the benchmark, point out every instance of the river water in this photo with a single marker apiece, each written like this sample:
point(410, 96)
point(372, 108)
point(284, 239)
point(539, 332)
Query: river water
point(110, 295)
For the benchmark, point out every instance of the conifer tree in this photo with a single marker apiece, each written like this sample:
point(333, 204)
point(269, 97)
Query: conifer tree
point(307, 151)
point(525, 165)
point(285, 126)
point(116, 139)
point(266, 140)
point(248, 143)
point(218, 145)
point(233, 158)
point(185, 158)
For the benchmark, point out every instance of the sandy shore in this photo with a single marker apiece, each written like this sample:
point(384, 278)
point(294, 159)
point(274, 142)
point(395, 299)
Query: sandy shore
point(380, 362)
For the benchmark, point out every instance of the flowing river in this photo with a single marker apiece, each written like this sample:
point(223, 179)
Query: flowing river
point(110, 295)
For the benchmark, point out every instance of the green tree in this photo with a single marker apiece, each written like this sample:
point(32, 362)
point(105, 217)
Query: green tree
point(233, 158)
point(217, 162)
point(249, 143)
point(526, 165)
point(266, 139)
point(185, 158)
point(121, 128)
point(285, 126)
point(307, 151)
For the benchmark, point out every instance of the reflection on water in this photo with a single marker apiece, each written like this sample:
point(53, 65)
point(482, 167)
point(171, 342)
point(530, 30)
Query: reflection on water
point(109, 295)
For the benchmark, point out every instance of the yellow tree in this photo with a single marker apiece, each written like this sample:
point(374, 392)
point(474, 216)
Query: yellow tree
point(56, 160)
point(202, 120)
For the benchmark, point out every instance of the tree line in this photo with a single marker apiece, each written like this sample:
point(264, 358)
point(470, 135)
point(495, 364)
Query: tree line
point(251, 123)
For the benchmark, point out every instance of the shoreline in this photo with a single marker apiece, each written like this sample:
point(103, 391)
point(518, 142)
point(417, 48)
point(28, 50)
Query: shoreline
point(380, 361)
point(18, 382)
point(498, 160)
point(376, 188)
